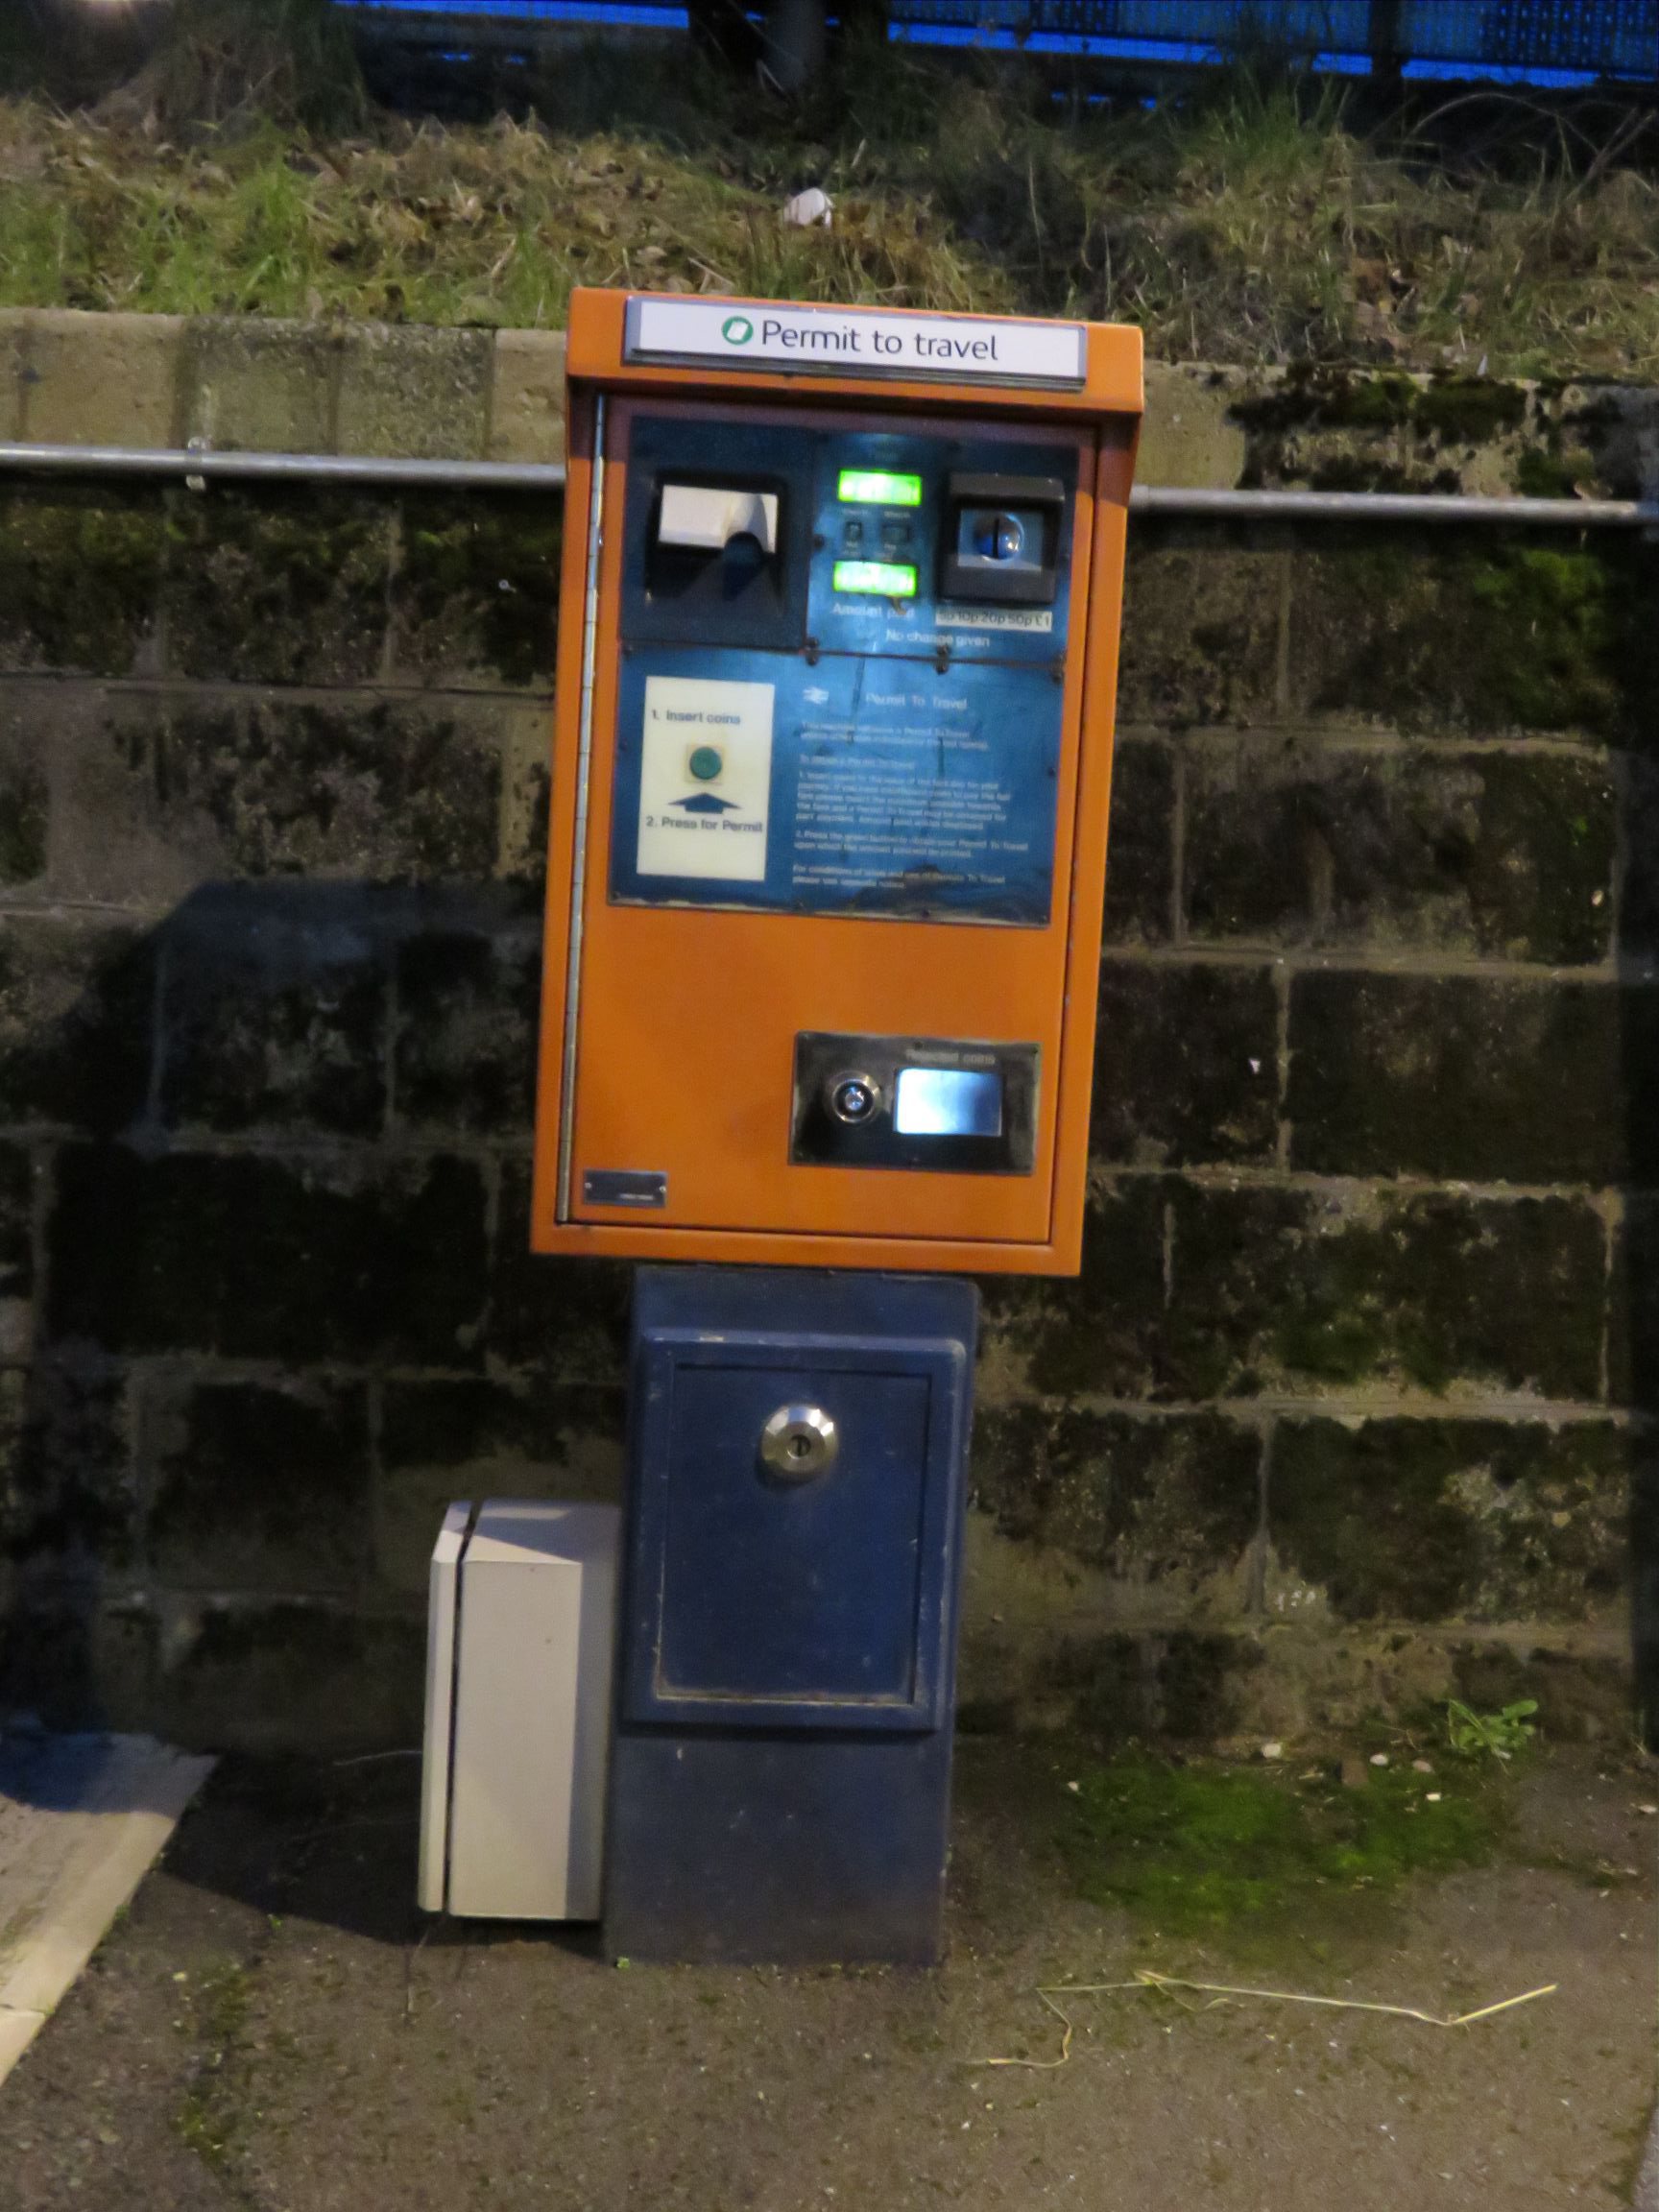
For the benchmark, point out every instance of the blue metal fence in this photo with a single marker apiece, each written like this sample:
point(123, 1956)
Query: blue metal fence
point(1563, 42)
point(461, 25)
point(1555, 42)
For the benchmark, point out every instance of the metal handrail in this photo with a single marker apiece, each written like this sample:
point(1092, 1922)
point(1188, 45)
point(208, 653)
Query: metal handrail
point(366, 468)
point(369, 469)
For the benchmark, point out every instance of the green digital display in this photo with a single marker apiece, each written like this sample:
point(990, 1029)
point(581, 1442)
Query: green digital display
point(888, 579)
point(875, 488)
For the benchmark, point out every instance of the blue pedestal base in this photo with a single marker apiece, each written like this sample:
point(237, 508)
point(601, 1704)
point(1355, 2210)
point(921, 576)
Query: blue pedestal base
point(780, 1771)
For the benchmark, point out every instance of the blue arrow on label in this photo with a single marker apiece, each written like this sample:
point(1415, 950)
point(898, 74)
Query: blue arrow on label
point(706, 803)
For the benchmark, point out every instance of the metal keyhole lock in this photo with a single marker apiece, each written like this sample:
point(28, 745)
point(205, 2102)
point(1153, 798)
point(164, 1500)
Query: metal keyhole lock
point(798, 1443)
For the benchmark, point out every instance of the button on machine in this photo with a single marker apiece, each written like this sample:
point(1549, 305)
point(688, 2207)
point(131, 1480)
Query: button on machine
point(853, 1099)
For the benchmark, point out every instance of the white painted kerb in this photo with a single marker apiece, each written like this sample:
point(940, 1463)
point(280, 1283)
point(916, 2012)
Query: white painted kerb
point(68, 1869)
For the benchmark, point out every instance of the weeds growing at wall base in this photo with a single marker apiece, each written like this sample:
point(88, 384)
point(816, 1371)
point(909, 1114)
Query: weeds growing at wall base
point(1201, 1849)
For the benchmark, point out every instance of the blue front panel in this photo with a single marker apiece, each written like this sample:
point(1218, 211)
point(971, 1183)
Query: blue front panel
point(894, 787)
point(789, 741)
point(779, 1778)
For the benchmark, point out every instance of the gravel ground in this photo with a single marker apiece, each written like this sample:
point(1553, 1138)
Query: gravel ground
point(271, 2024)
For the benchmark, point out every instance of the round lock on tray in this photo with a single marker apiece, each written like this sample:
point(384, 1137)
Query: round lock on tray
point(852, 1097)
point(798, 1443)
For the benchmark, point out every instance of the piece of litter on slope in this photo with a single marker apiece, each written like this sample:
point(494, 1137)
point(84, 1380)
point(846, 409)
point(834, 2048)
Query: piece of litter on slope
point(810, 207)
point(1272, 1750)
point(1650, 1808)
point(1075, 1786)
point(1432, 1798)
point(1379, 1758)
point(1422, 1767)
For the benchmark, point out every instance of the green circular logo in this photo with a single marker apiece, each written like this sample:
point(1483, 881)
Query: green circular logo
point(706, 763)
point(737, 329)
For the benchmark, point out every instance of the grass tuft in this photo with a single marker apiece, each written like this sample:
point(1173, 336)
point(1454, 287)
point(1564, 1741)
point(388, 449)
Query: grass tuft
point(227, 62)
point(1249, 221)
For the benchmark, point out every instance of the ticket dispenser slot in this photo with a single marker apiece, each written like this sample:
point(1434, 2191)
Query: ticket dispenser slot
point(714, 544)
point(716, 518)
point(717, 536)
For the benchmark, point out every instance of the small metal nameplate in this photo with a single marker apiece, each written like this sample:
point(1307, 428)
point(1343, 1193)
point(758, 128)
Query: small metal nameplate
point(634, 1186)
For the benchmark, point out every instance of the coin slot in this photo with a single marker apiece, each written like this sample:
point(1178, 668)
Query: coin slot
point(1002, 538)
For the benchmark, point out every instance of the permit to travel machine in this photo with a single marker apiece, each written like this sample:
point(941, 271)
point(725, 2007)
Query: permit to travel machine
point(837, 656)
point(837, 652)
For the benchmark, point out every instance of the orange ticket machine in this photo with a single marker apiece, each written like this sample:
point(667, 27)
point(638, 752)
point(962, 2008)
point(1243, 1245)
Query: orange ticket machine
point(837, 654)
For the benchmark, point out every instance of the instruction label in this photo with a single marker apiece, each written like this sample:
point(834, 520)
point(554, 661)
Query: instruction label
point(1026, 621)
point(705, 778)
point(910, 798)
point(847, 786)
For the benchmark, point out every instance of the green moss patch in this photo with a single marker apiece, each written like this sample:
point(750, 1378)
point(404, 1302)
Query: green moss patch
point(80, 572)
point(209, 2119)
point(1207, 1850)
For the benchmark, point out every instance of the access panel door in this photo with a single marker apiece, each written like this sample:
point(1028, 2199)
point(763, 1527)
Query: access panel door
point(768, 1592)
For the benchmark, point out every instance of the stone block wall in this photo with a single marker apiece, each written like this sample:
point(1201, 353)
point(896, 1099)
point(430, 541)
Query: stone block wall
point(240, 384)
point(1348, 1405)
point(272, 805)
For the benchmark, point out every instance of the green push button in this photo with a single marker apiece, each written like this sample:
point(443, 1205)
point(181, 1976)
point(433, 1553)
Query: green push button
point(706, 762)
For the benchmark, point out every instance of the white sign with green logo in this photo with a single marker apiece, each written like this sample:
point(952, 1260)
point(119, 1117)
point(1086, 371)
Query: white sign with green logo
point(856, 342)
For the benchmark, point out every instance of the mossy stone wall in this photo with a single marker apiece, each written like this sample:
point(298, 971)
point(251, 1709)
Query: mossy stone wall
point(1348, 1405)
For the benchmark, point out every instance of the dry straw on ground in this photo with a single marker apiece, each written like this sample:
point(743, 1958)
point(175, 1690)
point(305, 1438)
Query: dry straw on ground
point(1146, 1978)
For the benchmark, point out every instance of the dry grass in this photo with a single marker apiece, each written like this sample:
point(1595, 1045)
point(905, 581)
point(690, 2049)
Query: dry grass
point(1248, 225)
point(491, 226)
point(1257, 229)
